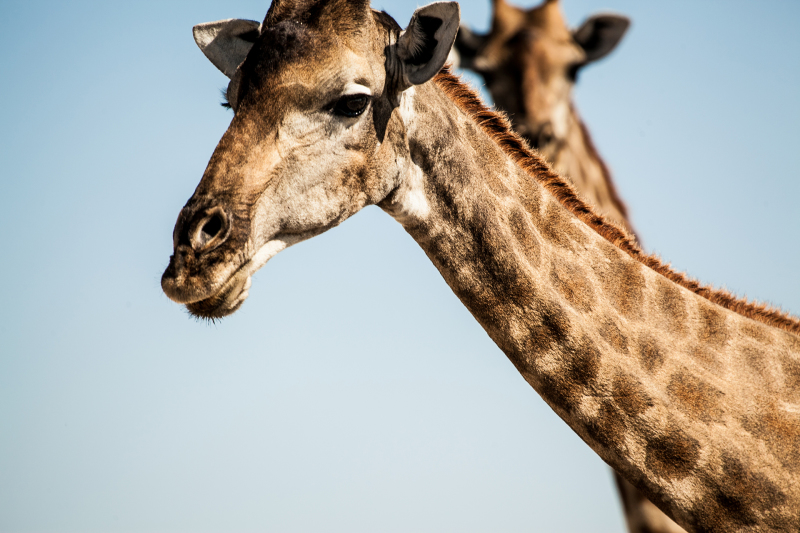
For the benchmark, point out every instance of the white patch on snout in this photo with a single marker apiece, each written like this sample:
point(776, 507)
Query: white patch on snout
point(561, 114)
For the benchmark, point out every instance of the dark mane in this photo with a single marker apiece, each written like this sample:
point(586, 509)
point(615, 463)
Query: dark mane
point(499, 129)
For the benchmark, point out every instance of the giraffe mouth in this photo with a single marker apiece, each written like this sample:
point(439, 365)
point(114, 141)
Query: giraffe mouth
point(227, 300)
point(232, 294)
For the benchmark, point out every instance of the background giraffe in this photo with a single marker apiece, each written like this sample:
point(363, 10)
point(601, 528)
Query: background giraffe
point(530, 61)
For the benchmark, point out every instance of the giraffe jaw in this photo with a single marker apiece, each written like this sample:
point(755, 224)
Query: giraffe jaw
point(226, 300)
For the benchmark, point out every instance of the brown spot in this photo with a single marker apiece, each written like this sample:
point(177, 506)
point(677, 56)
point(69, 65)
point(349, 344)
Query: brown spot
point(697, 398)
point(629, 395)
point(712, 325)
point(672, 455)
point(650, 354)
point(531, 198)
point(739, 495)
point(706, 357)
point(623, 282)
point(612, 253)
point(613, 336)
point(608, 427)
point(778, 429)
point(672, 305)
point(571, 282)
point(561, 228)
point(551, 330)
point(525, 235)
point(498, 266)
point(785, 429)
point(791, 378)
point(578, 369)
point(753, 330)
point(584, 364)
point(792, 342)
point(755, 357)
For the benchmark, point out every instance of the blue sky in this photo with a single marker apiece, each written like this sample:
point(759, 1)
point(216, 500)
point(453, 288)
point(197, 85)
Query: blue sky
point(352, 392)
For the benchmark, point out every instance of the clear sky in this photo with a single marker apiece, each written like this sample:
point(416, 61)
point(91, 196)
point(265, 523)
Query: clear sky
point(352, 392)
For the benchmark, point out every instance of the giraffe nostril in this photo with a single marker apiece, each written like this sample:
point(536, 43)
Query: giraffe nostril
point(212, 227)
point(210, 230)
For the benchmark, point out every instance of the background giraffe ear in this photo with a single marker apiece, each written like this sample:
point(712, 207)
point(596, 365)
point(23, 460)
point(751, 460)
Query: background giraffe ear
point(467, 47)
point(226, 42)
point(600, 34)
point(423, 47)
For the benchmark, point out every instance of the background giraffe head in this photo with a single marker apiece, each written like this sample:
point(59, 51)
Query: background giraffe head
point(530, 61)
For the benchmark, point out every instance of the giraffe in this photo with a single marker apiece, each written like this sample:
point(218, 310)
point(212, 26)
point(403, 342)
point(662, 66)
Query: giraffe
point(691, 394)
point(530, 60)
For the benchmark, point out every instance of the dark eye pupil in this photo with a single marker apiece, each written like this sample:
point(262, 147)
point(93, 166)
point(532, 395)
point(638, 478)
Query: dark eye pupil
point(352, 106)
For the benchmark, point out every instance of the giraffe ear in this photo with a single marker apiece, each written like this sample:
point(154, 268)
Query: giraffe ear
point(600, 34)
point(423, 47)
point(226, 42)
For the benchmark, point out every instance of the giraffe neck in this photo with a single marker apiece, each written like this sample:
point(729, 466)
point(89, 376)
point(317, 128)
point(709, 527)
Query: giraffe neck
point(574, 156)
point(577, 159)
point(696, 405)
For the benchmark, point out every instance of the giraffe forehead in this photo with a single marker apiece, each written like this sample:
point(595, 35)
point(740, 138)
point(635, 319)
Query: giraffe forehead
point(279, 44)
point(291, 52)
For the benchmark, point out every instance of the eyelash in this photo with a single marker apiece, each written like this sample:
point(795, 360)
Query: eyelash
point(225, 103)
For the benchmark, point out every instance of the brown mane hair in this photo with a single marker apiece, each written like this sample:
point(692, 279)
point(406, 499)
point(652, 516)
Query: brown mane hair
point(499, 129)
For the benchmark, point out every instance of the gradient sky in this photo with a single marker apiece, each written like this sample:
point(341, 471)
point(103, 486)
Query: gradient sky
point(352, 392)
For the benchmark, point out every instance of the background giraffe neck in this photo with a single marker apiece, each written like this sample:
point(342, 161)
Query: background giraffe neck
point(694, 404)
point(576, 158)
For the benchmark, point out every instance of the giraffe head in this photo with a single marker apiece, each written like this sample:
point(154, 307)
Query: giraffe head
point(530, 60)
point(316, 135)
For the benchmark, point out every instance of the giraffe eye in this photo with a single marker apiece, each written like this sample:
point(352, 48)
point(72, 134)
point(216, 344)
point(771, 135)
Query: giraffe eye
point(351, 105)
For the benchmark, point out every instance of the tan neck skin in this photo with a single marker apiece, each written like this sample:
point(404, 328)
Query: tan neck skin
point(576, 158)
point(697, 406)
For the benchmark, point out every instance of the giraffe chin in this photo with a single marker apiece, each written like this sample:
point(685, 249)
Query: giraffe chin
point(230, 297)
point(227, 300)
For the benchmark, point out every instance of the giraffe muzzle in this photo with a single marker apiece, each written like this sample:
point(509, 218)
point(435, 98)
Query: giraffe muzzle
point(201, 269)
